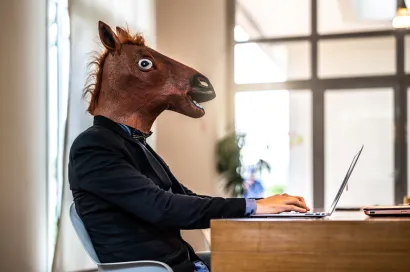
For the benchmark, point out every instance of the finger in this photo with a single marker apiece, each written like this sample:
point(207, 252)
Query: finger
point(296, 202)
point(298, 197)
point(293, 208)
point(303, 201)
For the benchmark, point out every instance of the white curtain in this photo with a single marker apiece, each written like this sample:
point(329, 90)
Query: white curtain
point(84, 17)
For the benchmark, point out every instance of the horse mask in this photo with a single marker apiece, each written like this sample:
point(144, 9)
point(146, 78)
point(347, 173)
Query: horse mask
point(133, 83)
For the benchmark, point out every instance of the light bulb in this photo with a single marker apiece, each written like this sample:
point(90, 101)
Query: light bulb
point(402, 19)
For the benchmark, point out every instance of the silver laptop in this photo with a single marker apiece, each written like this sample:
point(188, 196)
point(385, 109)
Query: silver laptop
point(332, 208)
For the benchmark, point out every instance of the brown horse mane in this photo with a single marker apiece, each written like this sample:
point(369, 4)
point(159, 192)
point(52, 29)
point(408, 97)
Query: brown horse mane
point(93, 83)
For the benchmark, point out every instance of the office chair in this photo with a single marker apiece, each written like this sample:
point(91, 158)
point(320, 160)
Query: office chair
point(137, 266)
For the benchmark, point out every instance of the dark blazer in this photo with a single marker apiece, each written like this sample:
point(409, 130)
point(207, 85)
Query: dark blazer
point(131, 204)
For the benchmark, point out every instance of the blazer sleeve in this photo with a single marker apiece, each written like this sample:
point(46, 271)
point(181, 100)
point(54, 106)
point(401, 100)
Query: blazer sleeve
point(102, 170)
point(190, 193)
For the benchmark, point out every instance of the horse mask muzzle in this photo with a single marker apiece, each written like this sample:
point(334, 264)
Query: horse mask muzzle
point(201, 90)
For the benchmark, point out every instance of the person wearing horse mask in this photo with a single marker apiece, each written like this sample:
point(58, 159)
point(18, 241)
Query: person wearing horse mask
point(131, 204)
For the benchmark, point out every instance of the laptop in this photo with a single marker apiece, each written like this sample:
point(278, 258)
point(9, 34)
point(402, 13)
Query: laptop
point(314, 214)
point(401, 210)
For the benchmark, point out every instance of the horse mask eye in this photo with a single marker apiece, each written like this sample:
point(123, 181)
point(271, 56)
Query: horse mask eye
point(145, 64)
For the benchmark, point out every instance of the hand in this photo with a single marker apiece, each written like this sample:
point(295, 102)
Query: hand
point(281, 203)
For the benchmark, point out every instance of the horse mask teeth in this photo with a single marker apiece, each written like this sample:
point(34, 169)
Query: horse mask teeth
point(197, 104)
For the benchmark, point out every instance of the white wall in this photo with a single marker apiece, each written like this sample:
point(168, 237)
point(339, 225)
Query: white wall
point(23, 140)
point(84, 15)
point(197, 38)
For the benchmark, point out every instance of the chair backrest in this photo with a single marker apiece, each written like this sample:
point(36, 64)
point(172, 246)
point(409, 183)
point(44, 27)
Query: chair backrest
point(83, 234)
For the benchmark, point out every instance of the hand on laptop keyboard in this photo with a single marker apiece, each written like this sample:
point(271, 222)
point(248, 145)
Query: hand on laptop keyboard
point(293, 212)
point(281, 203)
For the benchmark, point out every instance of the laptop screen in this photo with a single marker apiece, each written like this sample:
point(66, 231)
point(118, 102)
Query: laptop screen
point(345, 180)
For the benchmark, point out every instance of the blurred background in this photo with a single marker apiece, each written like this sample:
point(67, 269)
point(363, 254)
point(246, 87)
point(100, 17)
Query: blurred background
point(301, 85)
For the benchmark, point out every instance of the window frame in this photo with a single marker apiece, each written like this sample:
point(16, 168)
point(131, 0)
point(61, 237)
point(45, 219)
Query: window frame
point(57, 108)
point(399, 81)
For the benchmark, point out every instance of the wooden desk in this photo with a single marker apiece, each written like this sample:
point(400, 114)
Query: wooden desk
point(348, 241)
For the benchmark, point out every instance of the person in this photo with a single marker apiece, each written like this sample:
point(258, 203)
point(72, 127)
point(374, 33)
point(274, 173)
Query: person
point(253, 187)
point(131, 204)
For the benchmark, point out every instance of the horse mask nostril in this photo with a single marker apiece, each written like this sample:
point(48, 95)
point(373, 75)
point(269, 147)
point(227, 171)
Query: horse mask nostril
point(203, 82)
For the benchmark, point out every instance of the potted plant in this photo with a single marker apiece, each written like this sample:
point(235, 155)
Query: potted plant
point(229, 163)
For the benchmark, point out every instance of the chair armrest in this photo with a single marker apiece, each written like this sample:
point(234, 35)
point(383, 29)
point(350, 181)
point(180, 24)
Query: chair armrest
point(137, 266)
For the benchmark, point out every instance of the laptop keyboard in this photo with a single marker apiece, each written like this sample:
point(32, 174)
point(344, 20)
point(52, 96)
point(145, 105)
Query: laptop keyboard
point(307, 213)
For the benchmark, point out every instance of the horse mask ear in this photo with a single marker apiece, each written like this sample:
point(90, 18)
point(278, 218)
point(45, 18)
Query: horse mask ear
point(108, 38)
point(123, 35)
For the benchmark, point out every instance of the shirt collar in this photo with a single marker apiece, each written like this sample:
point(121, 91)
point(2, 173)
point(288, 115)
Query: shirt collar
point(100, 120)
point(134, 132)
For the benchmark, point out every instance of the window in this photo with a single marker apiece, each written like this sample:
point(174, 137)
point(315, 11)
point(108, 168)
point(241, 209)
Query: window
point(261, 62)
point(284, 18)
point(341, 16)
point(278, 130)
point(58, 77)
point(350, 121)
point(277, 123)
point(357, 57)
point(296, 84)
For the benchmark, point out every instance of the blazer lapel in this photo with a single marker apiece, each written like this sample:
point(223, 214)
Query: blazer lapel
point(155, 165)
point(176, 186)
point(150, 155)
